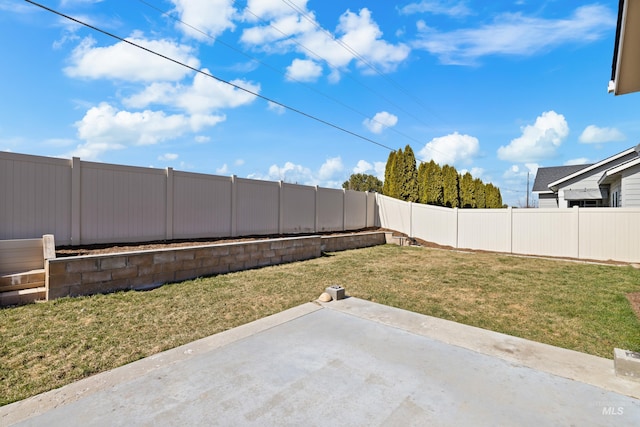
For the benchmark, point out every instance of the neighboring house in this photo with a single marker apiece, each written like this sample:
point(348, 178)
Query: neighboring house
point(612, 182)
point(625, 70)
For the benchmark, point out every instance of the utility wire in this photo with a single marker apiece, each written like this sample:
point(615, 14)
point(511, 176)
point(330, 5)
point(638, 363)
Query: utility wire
point(257, 95)
point(357, 55)
point(331, 98)
point(337, 101)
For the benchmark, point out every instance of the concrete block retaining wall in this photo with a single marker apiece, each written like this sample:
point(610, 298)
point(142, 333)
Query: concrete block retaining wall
point(92, 274)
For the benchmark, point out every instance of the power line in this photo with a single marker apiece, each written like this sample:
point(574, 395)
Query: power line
point(331, 98)
point(359, 56)
point(257, 95)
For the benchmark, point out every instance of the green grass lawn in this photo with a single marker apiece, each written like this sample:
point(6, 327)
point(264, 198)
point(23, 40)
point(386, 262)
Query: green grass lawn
point(572, 305)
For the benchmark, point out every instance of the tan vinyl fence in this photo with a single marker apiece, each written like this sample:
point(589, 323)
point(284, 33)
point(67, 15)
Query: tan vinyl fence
point(583, 233)
point(84, 202)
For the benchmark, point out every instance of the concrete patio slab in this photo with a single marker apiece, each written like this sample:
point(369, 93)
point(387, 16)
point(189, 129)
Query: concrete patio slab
point(348, 362)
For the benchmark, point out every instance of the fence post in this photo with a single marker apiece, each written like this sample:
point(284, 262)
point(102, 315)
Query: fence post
point(280, 207)
point(510, 213)
point(455, 212)
point(411, 219)
point(366, 209)
point(344, 209)
point(234, 201)
point(169, 204)
point(576, 221)
point(76, 189)
point(315, 213)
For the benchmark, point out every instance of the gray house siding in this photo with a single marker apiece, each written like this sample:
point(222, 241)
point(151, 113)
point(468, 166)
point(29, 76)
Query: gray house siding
point(547, 201)
point(590, 180)
point(631, 187)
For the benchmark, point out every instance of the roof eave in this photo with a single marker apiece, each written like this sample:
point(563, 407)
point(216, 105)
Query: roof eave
point(554, 185)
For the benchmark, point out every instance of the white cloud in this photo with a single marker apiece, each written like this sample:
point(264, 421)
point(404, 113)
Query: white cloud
point(209, 17)
point(354, 33)
point(538, 141)
point(379, 168)
point(290, 172)
point(376, 169)
point(380, 122)
point(207, 94)
point(437, 7)
point(303, 70)
point(224, 170)
point(239, 162)
point(362, 167)
point(516, 34)
point(203, 96)
point(202, 139)
point(578, 161)
point(329, 175)
point(168, 157)
point(128, 63)
point(106, 128)
point(271, 9)
point(593, 135)
point(276, 108)
point(451, 149)
point(330, 168)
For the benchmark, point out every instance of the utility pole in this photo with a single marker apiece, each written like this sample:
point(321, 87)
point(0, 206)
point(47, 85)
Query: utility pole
point(527, 190)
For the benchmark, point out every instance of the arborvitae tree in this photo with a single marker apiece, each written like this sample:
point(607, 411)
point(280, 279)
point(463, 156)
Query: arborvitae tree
point(409, 176)
point(422, 180)
point(432, 184)
point(481, 202)
point(363, 182)
point(387, 187)
point(467, 191)
point(450, 185)
point(493, 197)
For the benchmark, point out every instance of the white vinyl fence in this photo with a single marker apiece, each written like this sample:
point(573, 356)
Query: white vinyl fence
point(584, 233)
point(84, 202)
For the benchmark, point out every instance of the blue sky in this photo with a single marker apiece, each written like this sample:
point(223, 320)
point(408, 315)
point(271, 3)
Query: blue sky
point(496, 88)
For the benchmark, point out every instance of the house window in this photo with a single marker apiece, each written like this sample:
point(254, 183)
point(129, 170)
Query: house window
point(615, 200)
point(586, 203)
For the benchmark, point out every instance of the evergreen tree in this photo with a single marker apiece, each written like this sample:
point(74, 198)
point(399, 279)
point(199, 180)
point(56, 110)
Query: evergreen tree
point(388, 186)
point(433, 184)
point(363, 182)
point(408, 177)
point(493, 197)
point(450, 185)
point(480, 193)
point(422, 183)
point(467, 191)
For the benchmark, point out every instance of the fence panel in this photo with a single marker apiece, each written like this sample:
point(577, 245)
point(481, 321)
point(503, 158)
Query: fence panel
point(330, 202)
point(610, 234)
point(122, 203)
point(35, 197)
point(486, 229)
point(355, 205)
point(394, 214)
point(201, 205)
point(548, 232)
point(298, 208)
point(434, 224)
point(372, 210)
point(257, 207)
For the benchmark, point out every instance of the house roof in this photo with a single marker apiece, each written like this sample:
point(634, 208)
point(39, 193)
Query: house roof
point(591, 167)
point(607, 177)
point(546, 176)
point(625, 69)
